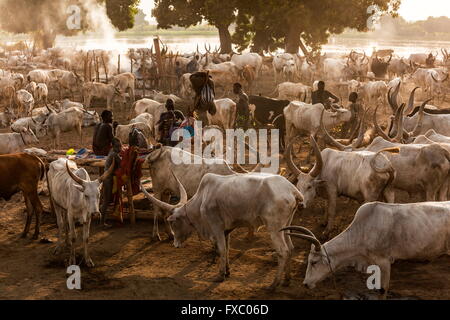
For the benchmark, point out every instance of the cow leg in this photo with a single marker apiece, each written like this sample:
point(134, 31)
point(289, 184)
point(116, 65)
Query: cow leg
point(331, 210)
point(86, 229)
point(282, 249)
point(38, 213)
point(156, 213)
point(443, 191)
point(222, 251)
point(61, 229)
point(227, 256)
point(29, 215)
point(385, 268)
point(389, 195)
point(73, 238)
point(431, 195)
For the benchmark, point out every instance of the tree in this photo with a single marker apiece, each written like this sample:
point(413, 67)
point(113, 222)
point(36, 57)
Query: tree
point(220, 14)
point(291, 23)
point(44, 19)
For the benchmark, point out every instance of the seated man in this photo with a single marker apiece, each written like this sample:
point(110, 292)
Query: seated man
point(323, 96)
point(103, 135)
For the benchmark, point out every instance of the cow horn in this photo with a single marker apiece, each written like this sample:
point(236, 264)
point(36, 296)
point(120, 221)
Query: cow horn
point(432, 75)
point(108, 173)
point(362, 129)
point(73, 176)
point(377, 126)
point(319, 161)
point(399, 136)
point(309, 238)
point(418, 126)
point(289, 162)
point(411, 101)
point(330, 139)
point(163, 205)
point(299, 228)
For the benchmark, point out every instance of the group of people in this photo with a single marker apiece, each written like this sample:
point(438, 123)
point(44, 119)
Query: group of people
point(105, 143)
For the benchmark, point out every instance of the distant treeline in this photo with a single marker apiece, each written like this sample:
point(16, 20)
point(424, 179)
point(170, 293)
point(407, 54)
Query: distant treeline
point(399, 28)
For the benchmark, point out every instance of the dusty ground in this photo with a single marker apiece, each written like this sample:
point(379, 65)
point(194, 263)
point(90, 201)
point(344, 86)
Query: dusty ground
point(131, 266)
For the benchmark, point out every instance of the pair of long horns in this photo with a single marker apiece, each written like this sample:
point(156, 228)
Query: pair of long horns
point(166, 206)
point(304, 234)
point(356, 144)
point(294, 169)
point(81, 181)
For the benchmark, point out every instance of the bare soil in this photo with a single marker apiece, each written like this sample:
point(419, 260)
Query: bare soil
point(129, 265)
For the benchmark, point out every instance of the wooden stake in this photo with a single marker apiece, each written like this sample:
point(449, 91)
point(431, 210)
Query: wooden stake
point(118, 64)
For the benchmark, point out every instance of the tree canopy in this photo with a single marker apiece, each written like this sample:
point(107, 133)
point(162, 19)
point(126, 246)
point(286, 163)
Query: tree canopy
point(220, 14)
point(270, 24)
point(47, 18)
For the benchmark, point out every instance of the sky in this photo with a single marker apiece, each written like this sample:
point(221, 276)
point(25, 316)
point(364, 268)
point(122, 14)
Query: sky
point(411, 10)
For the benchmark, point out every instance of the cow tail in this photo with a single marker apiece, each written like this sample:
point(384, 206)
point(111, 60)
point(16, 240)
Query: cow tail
point(44, 171)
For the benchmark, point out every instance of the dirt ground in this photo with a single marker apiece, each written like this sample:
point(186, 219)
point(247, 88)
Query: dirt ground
point(129, 265)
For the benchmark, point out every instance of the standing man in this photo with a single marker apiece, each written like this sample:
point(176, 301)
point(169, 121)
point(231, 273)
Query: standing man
point(323, 96)
point(242, 107)
point(166, 123)
point(356, 109)
point(108, 184)
point(103, 135)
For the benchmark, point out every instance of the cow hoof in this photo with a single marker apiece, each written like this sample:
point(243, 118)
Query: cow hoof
point(286, 282)
point(272, 288)
point(89, 263)
point(219, 278)
point(23, 235)
point(72, 261)
point(35, 237)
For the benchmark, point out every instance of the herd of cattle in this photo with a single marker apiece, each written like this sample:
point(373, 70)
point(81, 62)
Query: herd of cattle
point(411, 154)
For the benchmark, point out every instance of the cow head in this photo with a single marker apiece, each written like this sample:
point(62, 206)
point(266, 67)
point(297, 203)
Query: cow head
point(90, 189)
point(179, 221)
point(28, 136)
point(307, 183)
point(319, 263)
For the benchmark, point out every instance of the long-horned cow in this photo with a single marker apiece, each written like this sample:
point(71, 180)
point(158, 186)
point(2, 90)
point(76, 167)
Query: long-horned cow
point(75, 198)
point(380, 234)
point(224, 203)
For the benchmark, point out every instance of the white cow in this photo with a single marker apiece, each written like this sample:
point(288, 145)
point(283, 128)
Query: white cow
point(16, 142)
point(75, 198)
point(379, 235)
point(225, 116)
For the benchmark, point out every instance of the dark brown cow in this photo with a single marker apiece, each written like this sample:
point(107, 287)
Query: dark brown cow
point(22, 172)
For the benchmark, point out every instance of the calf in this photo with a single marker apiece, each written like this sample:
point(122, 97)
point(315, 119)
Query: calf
point(100, 91)
point(65, 121)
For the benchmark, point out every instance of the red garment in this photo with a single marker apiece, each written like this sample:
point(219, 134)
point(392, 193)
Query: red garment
point(130, 166)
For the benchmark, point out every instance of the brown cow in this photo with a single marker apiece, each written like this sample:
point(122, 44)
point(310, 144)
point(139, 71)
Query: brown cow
point(22, 172)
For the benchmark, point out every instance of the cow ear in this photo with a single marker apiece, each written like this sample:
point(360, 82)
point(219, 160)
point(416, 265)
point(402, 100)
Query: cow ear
point(78, 187)
point(319, 183)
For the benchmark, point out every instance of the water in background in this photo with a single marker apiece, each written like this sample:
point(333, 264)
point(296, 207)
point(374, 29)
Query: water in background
point(187, 43)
